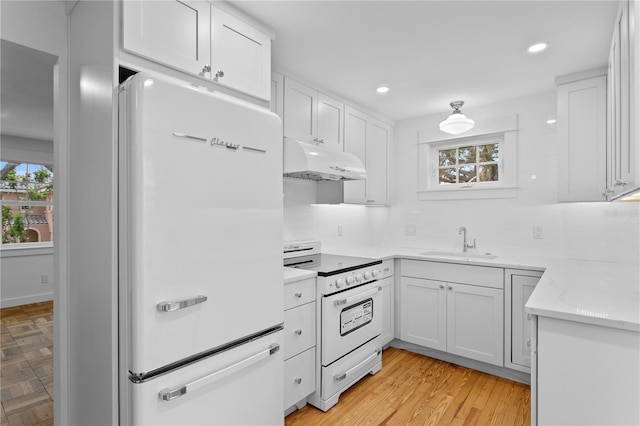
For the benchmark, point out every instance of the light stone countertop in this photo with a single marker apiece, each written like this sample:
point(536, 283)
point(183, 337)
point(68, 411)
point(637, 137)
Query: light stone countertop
point(293, 274)
point(586, 291)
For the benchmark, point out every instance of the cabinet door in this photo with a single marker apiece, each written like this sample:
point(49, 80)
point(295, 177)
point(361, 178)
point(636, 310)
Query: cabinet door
point(277, 94)
point(582, 117)
point(355, 142)
point(241, 53)
point(330, 127)
point(300, 116)
point(521, 286)
point(387, 314)
point(378, 150)
point(424, 313)
point(176, 33)
point(475, 322)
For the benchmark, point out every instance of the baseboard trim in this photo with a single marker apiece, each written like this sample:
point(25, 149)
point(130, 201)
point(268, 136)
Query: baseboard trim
point(26, 300)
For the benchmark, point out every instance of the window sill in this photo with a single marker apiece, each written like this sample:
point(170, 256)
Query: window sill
point(473, 193)
point(26, 249)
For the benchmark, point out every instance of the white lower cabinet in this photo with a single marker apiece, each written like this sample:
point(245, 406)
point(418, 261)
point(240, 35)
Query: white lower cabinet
point(299, 341)
point(459, 318)
point(519, 284)
point(387, 303)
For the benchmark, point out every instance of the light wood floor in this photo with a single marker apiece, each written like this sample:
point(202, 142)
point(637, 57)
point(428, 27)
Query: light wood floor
point(26, 370)
point(413, 389)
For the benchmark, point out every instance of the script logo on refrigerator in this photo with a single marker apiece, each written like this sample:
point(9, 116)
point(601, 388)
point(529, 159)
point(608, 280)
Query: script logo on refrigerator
point(215, 141)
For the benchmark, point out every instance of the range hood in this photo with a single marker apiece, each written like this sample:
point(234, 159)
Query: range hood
point(314, 162)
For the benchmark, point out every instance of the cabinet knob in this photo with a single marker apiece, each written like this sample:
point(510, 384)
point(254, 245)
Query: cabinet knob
point(450, 288)
point(298, 294)
point(529, 343)
point(219, 73)
point(206, 68)
point(298, 380)
point(441, 286)
point(528, 317)
point(298, 331)
point(620, 183)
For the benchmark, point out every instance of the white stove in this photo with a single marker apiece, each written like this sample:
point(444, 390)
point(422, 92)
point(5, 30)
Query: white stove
point(349, 317)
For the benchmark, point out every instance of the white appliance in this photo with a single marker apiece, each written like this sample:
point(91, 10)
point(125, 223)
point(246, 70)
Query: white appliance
point(314, 162)
point(200, 234)
point(349, 317)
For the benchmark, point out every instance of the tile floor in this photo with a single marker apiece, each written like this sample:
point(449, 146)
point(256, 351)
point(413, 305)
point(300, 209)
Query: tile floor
point(26, 370)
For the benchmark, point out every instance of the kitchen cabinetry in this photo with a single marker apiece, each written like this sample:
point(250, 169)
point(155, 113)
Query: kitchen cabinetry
point(582, 136)
point(310, 116)
point(200, 38)
point(584, 374)
point(387, 303)
point(370, 140)
point(622, 103)
point(519, 285)
point(277, 94)
point(453, 308)
point(299, 341)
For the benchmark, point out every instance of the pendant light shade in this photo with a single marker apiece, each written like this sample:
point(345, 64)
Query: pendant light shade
point(457, 122)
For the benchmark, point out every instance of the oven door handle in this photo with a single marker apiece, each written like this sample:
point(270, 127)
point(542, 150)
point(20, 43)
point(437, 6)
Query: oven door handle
point(357, 297)
point(347, 374)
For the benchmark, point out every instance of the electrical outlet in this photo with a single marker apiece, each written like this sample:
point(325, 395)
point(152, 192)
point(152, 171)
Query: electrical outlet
point(339, 230)
point(538, 232)
point(410, 229)
point(44, 278)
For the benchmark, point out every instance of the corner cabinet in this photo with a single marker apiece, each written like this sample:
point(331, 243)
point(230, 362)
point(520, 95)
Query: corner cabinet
point(370, 140)
point(311, 116)
point(453, 308)
point(582, 136)
point(201, 39)
point(519, 284)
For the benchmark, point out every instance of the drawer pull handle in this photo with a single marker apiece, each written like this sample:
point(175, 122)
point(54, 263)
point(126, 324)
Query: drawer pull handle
point(298, 331)
point(298, 380)
point(298, 294)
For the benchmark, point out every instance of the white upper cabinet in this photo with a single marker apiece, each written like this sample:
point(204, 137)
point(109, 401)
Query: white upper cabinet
point(622, 104)
point(240, 55)
point(201, 39)
point(370, 140)
point(582, 137)
point(310, 116)
point(176, 33)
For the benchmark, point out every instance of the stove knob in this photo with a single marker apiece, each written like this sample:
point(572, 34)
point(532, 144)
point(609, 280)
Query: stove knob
point(368, 275)
point(376, 272)
point(350, 279)
point(359, 278)
point(340, 282)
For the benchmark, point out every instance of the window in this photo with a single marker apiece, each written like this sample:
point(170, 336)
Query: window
point(466, 164)
point(471, 167)
point(26, 195)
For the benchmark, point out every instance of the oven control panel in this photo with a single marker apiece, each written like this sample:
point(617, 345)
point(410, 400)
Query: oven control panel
point(345, 280)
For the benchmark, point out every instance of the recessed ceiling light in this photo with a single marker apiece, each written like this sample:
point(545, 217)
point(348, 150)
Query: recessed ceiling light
point(551, 121)
point(382, 89)
point(538, 47)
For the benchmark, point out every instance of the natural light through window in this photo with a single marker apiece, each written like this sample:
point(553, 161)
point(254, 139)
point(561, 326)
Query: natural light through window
point(26, 195)
point(466, 164)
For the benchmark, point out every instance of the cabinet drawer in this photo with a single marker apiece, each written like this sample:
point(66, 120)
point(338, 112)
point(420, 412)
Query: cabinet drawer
point(299, 377)
point(387, 268)
point(299, 329)
point(484, 276)
point(299, 292)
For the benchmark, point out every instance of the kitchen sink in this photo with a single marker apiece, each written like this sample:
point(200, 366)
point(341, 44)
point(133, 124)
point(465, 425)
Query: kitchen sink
point(458, 254)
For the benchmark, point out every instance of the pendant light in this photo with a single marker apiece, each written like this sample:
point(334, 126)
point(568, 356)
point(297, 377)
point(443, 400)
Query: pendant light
point(457, 122)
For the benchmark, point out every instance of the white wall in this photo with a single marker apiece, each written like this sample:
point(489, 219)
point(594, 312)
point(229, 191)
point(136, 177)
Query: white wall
point(42, 25)
point(22, 272)
point(605, 231)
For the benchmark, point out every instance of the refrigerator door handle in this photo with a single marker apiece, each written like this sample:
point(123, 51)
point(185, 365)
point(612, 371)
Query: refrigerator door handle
point(167, 394)
point(181, 304)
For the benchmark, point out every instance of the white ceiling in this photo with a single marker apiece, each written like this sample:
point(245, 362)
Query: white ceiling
point(26, 91)
point(433, 52)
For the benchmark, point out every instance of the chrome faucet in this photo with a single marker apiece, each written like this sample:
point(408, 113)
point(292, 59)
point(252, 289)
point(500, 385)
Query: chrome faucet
point(465, 246)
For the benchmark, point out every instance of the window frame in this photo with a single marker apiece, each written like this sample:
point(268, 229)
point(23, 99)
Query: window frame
point(429, 187)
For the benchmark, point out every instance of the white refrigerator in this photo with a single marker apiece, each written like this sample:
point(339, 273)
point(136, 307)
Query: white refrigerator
point(200, 257)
